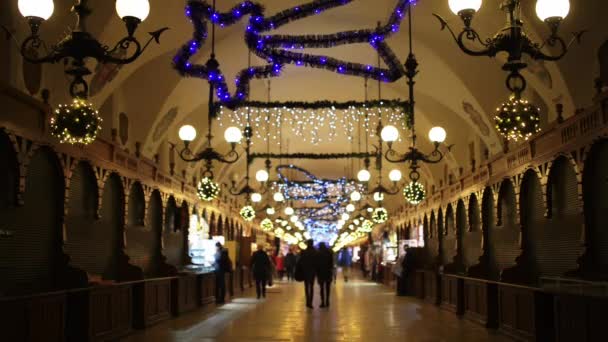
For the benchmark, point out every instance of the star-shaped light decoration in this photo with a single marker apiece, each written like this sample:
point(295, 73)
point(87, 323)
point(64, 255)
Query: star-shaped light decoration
point(278, 50)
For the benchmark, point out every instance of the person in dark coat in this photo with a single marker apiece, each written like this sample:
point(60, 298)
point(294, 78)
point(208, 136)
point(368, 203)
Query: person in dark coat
point(325, 272)
point(260, 265)
point(220, 267)
point(290, 265)
point(307, 265)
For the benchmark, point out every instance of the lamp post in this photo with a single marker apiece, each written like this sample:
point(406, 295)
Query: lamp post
point(80, 45)
point(390, 134)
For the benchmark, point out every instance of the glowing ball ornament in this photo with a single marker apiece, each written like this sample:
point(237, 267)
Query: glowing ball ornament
point(414, 193)
point(267, 225)
point(355, 196)
point(380, 215)
point(288, 211)
point(378, 197)
point(350, 208)
point(76, 123)
point(256, 197)
point(367, 226)
point(247, 213)
point(270, 211)
point(517, 119)
point(278, 197)
point(207, 189)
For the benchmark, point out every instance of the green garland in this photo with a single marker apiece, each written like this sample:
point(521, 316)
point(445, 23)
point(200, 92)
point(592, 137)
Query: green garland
point(207, 189)
point(267, 225)
point(414, 193)
point(517, 119)
point(367, 226)
point(76, 123)
point(380, 215)
point(248, 213)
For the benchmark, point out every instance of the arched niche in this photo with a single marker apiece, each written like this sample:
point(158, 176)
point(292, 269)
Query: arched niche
point(82, 226)
point(141, 241)
point(504, 235)
point(533, 224)
point(9, 173)
point(104, 239)
point(563, 230)
point(150, 258)
point(473, 236)
point(449, 245)
point(595, 199)
point(31, 249)
point(136, 211)
point(212, 225)
point(174, 235)
point(440, 235)
point(220, 227)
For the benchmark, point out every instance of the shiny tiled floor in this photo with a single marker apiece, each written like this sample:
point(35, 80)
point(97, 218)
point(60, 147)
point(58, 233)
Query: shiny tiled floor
point(360, 311)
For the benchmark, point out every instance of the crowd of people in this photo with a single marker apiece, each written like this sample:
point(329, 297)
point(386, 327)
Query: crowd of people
point(312, 264)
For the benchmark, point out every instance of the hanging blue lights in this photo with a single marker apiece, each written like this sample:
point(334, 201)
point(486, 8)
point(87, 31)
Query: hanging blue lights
point(277, 50)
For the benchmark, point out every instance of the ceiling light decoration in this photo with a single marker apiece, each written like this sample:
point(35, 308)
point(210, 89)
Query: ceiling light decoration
point(207, 189)
point(247, 213)
point(517, 119)
point(76, 123)
point(437, 135)
point(414, 193)
point(380, 215)
point(267, 225)
point(79, 45)
point(516, 42)
point(256, 198)
point(278, 50)
point(289, 211)
point(350, 208)
point(270, 211)
point(355, 196)
point(367, 226)
point(306, 119)
point(278, 197)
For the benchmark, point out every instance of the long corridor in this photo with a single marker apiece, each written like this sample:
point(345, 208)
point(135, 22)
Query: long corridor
point(360, 311)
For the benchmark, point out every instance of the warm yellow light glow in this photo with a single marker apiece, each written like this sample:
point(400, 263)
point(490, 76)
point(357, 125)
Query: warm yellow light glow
point(546, 9)
point(458, 6)
point(139, 9)
point(262, 176)
point(36, 8)
point(364, 176)
point(187, 133)
point(355, 196)
point(437, 134)
point(395, 175)
point(233, 135)
point(389, 134)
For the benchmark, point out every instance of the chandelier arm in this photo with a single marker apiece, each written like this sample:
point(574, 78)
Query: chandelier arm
point(34, 42)
point(125, 43)
point(469, 34)
point(390, 156)
point(535, 51)
point(184, 153)
point(230, 158)
point(435, 157)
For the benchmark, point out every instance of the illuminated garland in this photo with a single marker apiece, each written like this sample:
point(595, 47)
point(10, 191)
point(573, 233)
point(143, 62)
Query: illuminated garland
point(316, 122)
point(517, 119)
point(367, 226)
point(267, 225)
point(414, 193)
point(207, 189)
point(380, 215)
point(248, 213)
point(277, 50)
point(76, 123)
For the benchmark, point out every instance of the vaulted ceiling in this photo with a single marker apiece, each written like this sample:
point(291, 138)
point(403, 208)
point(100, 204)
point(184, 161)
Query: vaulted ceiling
point(453, 90)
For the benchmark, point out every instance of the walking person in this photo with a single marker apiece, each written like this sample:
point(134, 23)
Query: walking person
point(220, 267)
point(290, 265)
point(306, 271)
point(325, 268)
point(399, 271)
point(260, 266)
point(345, 261)
point(279, 261)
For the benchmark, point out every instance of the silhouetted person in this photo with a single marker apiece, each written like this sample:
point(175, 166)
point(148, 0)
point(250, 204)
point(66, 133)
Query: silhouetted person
point(307, 265)
point(345, 261)
point(400, 272)
point(260, 265)
point(221, 268)
point(325, 272)
point(290, 265)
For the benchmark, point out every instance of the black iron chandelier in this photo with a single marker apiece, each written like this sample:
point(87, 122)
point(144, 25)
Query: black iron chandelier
point(512, 39)
point(80, 45)
point(390, 134)
point(232, 135)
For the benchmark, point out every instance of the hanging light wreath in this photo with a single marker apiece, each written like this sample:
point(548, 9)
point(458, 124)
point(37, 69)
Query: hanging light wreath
point(208, 190)
point(380, 215)
point(248, 213)
point(414, 193)
point(367, 226)
point(517, 119)
point(267, 225)
point(76, 123)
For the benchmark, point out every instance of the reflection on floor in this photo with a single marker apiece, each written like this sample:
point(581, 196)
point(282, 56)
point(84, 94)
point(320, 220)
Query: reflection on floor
point(360, 311)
